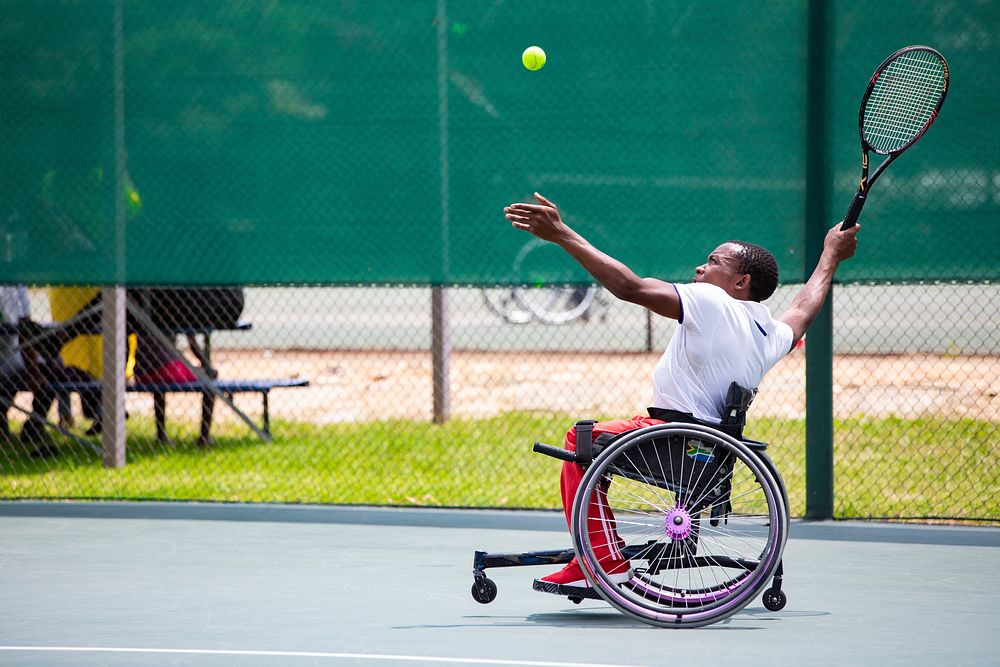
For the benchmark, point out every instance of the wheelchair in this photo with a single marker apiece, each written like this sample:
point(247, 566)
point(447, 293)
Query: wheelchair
point(699, 511)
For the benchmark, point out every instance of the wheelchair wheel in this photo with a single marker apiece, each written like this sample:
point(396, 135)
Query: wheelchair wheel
point(701, 517)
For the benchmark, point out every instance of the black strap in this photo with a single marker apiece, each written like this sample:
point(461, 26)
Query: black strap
point(668, 415)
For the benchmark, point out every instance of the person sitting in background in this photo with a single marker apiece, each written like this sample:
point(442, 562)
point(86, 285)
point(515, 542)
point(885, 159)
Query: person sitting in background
point(74, 353)
point(81, 349)
point(14, 306)
point(29, 360)
point(149, 361)
point(173, 310)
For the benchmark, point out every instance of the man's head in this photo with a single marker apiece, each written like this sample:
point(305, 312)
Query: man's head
point(744, 270)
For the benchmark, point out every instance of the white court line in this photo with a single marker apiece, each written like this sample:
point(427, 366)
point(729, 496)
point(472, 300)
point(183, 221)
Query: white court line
point(310, 654)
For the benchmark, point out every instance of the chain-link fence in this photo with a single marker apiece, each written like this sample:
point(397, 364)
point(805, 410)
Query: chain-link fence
point(915, 372)
point(376, 333)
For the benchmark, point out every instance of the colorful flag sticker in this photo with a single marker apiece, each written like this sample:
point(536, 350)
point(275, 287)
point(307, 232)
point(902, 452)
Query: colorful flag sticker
point(699, 451)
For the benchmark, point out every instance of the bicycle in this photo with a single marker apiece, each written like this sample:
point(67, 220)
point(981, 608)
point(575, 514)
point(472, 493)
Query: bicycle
point(540, 301)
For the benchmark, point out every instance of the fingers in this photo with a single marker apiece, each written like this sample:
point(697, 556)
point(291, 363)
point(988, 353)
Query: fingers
point(521, 216)
point(522, 209)
point(531, 217)
point(838, 235)
point(543, 200)
point(517, 220)
point(524, 206)
point(841, 243)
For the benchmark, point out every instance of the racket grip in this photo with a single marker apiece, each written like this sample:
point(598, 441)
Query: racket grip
point(854, 210)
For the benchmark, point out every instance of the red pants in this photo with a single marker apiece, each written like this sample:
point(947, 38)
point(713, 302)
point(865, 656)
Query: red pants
point(600, 519)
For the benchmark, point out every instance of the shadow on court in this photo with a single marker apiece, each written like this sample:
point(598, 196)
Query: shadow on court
point(246, 585)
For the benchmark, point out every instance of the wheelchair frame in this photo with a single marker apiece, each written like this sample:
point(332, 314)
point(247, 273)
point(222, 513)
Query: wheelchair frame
point(701, 514)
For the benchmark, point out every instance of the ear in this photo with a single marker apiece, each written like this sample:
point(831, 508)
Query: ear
point(743, 284)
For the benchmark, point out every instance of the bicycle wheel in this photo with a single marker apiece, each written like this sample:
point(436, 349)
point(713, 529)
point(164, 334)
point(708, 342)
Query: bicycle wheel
point(556, 304)
point(504, 302)
point(542, 268)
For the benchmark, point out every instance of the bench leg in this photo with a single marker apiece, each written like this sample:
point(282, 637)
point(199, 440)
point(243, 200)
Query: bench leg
point(5, 405)
point(160, 415)
point(65, 410)
point(207, 410)
point(267, 414)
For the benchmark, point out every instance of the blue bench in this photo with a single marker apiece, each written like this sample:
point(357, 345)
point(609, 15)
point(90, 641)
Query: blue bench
point(228, 388)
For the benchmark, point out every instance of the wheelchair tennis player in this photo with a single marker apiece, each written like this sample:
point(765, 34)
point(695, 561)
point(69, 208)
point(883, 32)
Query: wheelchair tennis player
point(724, 335)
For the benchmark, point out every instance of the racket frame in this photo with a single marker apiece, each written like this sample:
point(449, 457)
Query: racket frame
point(854, 210)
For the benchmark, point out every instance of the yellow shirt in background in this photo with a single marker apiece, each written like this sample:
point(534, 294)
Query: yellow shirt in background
point(85, 351)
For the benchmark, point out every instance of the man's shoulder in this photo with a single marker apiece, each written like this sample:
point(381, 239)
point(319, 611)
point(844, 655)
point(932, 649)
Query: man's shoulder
point(706, 295)
point(703, 303)
point(702, 291)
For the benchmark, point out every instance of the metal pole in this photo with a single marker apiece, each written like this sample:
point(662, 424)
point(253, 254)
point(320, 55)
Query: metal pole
point(440, 335)
point(115, 347)
point(819, 351)
point(440, 354)
point(114, 338)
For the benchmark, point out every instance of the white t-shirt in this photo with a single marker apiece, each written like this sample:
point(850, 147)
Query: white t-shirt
point(720, 340)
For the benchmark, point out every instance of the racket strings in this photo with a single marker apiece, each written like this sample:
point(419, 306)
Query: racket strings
point(903, 101)
point(900, 113)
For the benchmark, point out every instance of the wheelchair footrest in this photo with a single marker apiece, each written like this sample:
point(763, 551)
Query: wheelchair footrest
point(578, 592)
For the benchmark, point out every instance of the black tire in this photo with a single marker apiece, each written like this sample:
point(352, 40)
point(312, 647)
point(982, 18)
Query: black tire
point(484, 591)
point(775, 600)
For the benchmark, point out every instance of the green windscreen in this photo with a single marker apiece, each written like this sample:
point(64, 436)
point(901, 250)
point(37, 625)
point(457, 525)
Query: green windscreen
point(253, 142)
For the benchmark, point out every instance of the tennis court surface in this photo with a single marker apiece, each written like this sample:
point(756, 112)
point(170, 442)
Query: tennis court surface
point(247, 585)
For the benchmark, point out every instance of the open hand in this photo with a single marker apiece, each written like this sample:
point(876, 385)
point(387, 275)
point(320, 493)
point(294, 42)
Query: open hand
point(541, 219)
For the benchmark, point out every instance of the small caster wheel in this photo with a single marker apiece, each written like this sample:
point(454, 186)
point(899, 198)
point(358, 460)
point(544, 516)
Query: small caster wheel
point(775, 600)
point(575, 600)
point(484, 591)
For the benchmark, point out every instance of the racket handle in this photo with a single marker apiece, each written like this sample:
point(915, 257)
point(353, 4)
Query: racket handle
point(854, 210)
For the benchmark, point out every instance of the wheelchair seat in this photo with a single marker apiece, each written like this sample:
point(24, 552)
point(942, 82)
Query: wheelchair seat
point(734, 411)
point(738, 400)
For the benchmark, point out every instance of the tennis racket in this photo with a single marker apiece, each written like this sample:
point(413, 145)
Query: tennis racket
point(903, 99)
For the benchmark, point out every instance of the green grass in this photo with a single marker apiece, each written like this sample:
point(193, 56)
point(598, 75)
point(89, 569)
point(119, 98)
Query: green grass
point(884, 468)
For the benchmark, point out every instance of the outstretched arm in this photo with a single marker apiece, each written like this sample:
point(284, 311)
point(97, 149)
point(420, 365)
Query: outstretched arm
point(838, 246)
point(543, 220)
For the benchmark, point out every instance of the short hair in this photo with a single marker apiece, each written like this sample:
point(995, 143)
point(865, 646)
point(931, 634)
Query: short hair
point(760, 264)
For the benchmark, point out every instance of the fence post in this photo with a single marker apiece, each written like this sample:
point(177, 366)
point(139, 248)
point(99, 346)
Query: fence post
point(115, 341)
point(441, 354)
point(440, 313)
point(819, 351)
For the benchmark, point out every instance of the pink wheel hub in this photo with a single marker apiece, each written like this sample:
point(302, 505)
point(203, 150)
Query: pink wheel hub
point(678, 524)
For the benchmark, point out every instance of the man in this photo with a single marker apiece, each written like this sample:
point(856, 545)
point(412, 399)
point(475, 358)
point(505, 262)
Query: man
point(14, 305)
point(724, 334)
point(28, 361)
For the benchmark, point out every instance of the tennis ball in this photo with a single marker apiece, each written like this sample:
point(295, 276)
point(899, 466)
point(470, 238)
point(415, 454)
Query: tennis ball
point(533, 58)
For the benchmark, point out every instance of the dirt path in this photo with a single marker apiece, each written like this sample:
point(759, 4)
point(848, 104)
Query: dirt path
point(359, 386)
